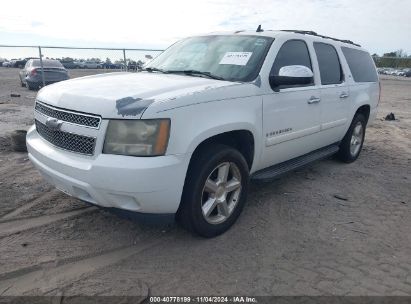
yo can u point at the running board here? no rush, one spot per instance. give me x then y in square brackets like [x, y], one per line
[292, 164]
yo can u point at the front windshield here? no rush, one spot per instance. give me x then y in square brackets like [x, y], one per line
[234, 58]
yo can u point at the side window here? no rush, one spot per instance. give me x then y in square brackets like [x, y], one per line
[292, 52]
[329, 64]
[28, 63]
[361, 65]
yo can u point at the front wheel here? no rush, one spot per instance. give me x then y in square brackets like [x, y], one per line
[215, 191]
[351, 145]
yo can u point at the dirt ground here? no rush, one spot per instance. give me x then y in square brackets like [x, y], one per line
[295, 237]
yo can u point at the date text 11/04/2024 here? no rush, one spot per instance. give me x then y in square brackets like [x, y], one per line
[203, 299]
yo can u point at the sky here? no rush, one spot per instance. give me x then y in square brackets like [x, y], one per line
[378, 25]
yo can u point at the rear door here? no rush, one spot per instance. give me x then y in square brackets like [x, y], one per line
[335, 94]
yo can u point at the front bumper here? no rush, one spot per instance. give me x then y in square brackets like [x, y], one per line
[140, 184]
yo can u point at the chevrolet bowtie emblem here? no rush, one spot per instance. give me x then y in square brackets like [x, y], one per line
[53, 123]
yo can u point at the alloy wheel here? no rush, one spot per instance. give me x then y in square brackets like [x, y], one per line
[356, 139]
[221, 193]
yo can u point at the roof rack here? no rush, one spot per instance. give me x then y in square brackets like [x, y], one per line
[321, 36]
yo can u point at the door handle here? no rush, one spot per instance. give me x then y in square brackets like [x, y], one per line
[313, 100]
[344, 95]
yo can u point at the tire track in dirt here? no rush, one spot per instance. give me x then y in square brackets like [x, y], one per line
[30, 204]
[47, 280]
[15, 226]
[26, 168]
[57, 263]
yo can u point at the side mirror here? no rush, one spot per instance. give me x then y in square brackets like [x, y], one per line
[291, 75]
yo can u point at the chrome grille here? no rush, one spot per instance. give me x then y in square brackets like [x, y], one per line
[87, 120]
[67, 141]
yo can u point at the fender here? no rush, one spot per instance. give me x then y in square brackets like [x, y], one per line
[199, 122]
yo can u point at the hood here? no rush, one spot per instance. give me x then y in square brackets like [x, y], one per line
[124, 95]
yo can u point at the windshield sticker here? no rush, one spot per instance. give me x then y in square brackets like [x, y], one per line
[236, 58]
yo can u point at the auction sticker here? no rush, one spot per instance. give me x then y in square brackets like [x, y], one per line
[236, 58]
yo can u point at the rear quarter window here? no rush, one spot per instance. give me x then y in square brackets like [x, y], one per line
[361, 65]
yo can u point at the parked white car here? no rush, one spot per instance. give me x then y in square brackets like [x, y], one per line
[183, 137]
[90, 65]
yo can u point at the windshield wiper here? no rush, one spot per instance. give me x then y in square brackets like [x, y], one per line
[154, 70]
[195, 72]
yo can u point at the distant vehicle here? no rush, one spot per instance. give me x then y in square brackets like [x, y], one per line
[133, 65]
[6, 64]
[400, 73]
[396, 72]
[391, 71]
[383, 71]
[31, 75]
[110, 65]
[91, 65]
[11, 63]
[70, 64]
[20, 63]
[407, 72]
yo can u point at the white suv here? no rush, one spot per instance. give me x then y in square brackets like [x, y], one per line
[183, 137]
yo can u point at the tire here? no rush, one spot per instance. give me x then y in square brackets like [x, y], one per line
[18, 141]
[351, 145]
[209, 165]
[32, 86]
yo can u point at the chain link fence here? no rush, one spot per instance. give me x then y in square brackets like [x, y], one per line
[80, 61]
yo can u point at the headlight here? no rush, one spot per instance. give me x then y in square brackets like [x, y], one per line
[137, 137]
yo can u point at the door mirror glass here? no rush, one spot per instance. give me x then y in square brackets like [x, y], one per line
[296, 71]
[292, 75]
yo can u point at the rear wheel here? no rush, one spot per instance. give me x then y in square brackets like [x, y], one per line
[215, 191]
[351, 145]
[32, 86]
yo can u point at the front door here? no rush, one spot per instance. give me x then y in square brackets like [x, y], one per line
[291, 116]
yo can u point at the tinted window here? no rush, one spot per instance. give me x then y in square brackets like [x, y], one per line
[47, 63]
[361, 65]
[293, 52]
[329, 64]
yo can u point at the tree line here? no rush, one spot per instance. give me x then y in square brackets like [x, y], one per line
[396, 59]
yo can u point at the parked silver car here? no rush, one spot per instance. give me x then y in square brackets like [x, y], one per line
[31, 75]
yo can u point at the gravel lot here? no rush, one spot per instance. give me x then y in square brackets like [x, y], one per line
[295, 237]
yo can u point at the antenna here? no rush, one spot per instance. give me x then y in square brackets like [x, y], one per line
[259, 29]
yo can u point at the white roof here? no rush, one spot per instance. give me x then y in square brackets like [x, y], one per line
[287, 35]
